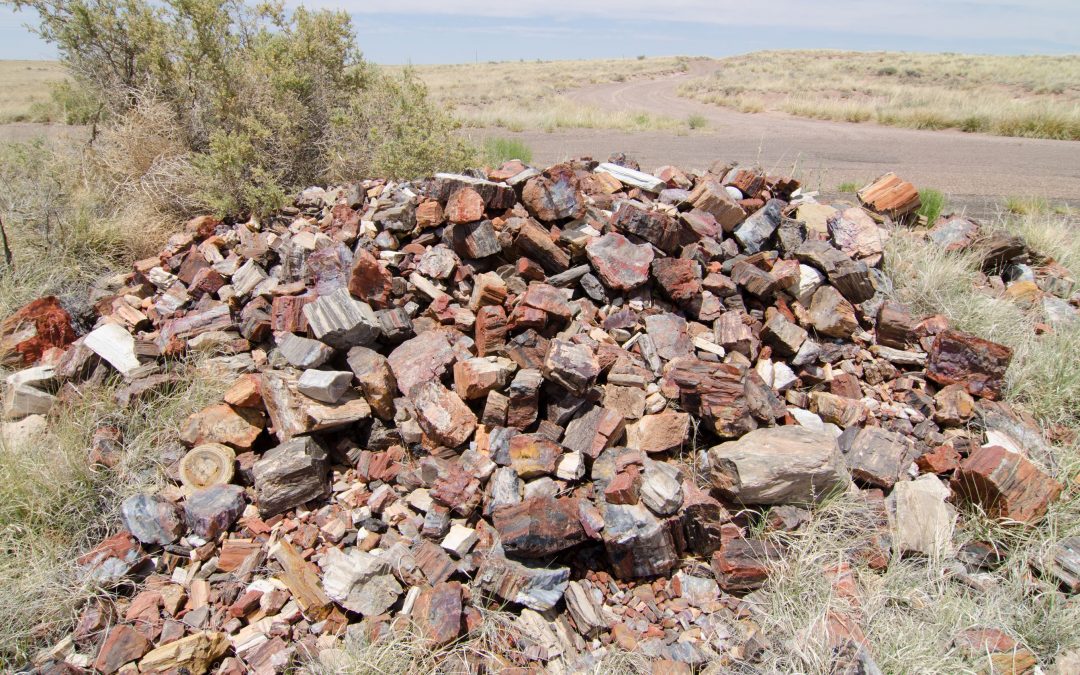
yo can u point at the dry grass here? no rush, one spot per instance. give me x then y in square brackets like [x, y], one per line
[26, 89]
[1030, 96]
[520, 95]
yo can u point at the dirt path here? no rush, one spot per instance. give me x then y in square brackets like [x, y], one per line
[971, 168]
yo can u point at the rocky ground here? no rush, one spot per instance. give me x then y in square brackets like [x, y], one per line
[586, 396]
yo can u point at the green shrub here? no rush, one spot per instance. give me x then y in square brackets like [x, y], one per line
[499, 150]
[697, 122]
[261, 100]
[849, 187]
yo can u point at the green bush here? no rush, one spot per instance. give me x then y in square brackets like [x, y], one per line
[697, 121]
[260, 100]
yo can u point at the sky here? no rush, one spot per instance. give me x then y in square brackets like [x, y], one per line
[456, 31]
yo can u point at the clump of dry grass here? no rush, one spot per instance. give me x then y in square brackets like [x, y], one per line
[54, 505]
[1029, 96]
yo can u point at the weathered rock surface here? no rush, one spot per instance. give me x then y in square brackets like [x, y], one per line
[781, 465]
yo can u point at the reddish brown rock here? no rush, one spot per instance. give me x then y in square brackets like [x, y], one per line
[659, 433]
[464, 206]
[224, 424]
[437, 613]
[540, 526]
[123, 645]
[572, 365]
[532, 456]
[962, 358]
[942, 459]
[375, 379]
[620, 264]
[370, 281]
[593, 431]
[553, 198]
[490, 329]
[442, 414]
[831, 314]
[34, 328]
[536, 243]
[655, 227]
[716, 392]
[287, 313]
[895, 326]
[742, 564]
[424, 358]
[1005, 484]
[625, 487]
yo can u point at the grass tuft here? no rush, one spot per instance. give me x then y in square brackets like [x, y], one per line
[932, 202]
[848, 187]
[697, 122]
[499, 150]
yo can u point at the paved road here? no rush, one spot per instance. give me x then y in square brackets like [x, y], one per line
[973, 169]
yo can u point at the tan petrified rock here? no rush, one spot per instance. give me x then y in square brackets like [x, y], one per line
[780, 465]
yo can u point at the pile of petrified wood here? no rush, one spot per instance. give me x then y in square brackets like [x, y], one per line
[569, 394]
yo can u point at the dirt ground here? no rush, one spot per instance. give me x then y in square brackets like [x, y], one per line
[975, 170]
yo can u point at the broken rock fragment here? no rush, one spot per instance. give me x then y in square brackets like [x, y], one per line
[152, 519]
[1005, 484]
[535, 586]
[962, 358]
[442, 414]
[358, 581]
[540, 526]
[341, 320]
[571, 364]
[213, 510]
[289, 475]
[620, 264]
[780, 465]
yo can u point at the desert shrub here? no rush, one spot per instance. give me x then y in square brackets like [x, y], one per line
[257, 100]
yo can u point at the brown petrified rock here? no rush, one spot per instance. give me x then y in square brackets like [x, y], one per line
[1005, 484]
[962, 358]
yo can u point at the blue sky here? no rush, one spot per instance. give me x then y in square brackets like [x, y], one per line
[453, 31]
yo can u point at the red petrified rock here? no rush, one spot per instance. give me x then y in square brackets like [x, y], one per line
[741, 564]
[679, 277]
[437, 612]
[123, 645]
[939, 460]
[1005, 484]
[540, 526]
[442, 414]
[621, 264]
[34, 328]
[223, 424]
[464, 206]
[370, 281]
[963, 358]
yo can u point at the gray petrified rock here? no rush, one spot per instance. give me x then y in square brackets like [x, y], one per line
[213, 510]
[779, 465]
[358, 581]
[289, 475]
[152, 519]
